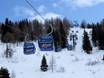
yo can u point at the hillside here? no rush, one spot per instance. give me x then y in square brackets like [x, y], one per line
[68, 64]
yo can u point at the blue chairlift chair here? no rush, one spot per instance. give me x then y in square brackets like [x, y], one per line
[46, 43]
[29, 48]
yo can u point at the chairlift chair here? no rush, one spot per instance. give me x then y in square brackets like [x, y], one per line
[45, 42]
[29, 47]
[69, 46]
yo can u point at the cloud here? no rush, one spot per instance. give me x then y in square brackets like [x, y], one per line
[42, 9]
[87, 3]
[20, 10]
[27, 12]
[48, 15]
[23, 11]
[77, 3]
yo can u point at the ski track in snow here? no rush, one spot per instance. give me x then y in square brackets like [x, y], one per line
[76, 63]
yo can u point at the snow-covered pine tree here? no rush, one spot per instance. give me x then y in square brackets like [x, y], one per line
[86, 43]
[4, 73]
[94, 40]
[44, 66]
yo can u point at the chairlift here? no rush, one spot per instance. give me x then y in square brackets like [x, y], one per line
[69, 47]
[58, 48]
[71, 37]
[29, 47]
[45, 43]
[76, 37]
[76, 31]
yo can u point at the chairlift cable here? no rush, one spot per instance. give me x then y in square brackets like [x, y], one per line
[34, 9]
[39, 15]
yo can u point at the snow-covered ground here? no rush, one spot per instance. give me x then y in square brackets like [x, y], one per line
[68, 64]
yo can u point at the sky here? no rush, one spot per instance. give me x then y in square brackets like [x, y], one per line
[74, 10]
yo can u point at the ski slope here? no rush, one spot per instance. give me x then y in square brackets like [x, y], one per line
[67, 64]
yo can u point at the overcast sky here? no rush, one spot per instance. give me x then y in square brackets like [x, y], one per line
[89, 10]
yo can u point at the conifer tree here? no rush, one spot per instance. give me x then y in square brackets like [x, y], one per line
[103, 58]
[63, 36]
[44, 66]
[37, 29]
[83, 24]
[4, 73]
[57, 41]
[101, 36]
[86, 43]
[94, 40]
